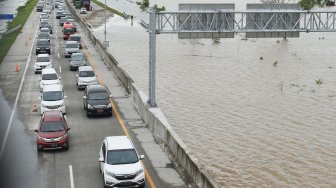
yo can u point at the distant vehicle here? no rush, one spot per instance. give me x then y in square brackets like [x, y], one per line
[52, 131]
[72, 21]
[42, 61]
[96, 100]
[45, 30]
[43, 36]
[67, 32]
[43, 46]
[77, 60]
[39, 7]
[47, 9]
[120, 163]
[76, 38]
[58, 14]
[83, 10]
[62, 20]
[44, 16]
[53, 98]
[49, 77]
[85, 76]
[46, 25]
[70, 48]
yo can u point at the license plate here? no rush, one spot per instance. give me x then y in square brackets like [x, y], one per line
[100, 110]
[126, 183]
[53, 145]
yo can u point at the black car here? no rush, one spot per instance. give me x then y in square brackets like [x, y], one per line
[59, 14]
[96, 100]
[39, 8]
[42, 47]
[43, 36]
[47, 25]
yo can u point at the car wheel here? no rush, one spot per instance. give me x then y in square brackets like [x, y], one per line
[110, 115]
[67, 146]
[39, 148]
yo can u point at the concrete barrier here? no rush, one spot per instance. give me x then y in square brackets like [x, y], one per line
[176, 150]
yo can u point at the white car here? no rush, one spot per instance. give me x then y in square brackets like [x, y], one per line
[53, 98]
[42, 61]
[83, 10]
[70, 48]
[49, 77]
[120, 164]
[85, 76]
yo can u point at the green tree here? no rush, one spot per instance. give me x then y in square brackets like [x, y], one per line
[309, 4]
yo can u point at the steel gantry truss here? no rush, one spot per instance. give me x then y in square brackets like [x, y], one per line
[224, 23]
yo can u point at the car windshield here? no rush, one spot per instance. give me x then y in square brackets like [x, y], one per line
[49, 77]
[42, 59]
[52, 95]
[72, 45]
[42, 43]
[77, 57]
[126, 156]
[59, 13]
[52, 126]
[98, 96]
[74, 38]
[86, 74]
[68, 30]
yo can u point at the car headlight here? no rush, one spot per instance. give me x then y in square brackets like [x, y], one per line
[139, 172]
[109, 105]
[62, 137]
[62, 104]
[90, 106]
[43, 105]
[38, 48]
[110, 174]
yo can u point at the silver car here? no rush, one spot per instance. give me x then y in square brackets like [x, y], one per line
[70, 48]
[77, 60]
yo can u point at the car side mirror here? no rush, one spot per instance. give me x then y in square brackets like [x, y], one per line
[100, 159]
[59, 78]
[63, 46]
[36, 130]
[40, 79]
[65, 97]
[97, 74]
[84, 97]
[69, 59]
[67, 129]
[142, 157]
[76, 75]
[110, 96]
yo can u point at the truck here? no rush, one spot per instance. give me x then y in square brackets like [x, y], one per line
[82, 3]
[77, 3]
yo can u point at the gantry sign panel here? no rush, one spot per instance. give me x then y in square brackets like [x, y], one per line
[199, 24]
[272, 20]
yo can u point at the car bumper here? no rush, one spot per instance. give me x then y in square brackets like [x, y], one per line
[104, 111]
[136, 182]
[39, 68]
[41, 144]
[83, 85]
[61, 108]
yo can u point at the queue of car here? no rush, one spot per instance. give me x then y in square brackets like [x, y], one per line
[119, 162]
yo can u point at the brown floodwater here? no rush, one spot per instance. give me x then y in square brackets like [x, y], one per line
[250, 121]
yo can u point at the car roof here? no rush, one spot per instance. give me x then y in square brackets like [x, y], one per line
[43, 55]
[77, 54]
[75, 36]
[118, 142]
[71, 42]
[95, 87]
[52, 87]
[85, 68]
[53, 116]
[48, 71]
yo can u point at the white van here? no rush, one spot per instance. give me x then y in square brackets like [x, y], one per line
[85, 76]
[53, 99]
[120, 163]
[49, 77]
[42, 61]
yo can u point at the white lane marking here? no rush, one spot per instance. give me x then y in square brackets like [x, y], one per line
[58, 55]
[60, 69]
[17, 99]
[72, 185]
[57, 44]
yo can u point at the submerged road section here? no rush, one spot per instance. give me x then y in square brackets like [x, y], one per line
[22, 165]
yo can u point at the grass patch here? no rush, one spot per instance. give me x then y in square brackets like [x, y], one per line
[110, 9]
[23, 13]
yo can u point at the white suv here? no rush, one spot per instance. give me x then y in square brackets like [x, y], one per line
[49, 77]
[42, 61]
[53, 99]
[120, 164]
[85, 76]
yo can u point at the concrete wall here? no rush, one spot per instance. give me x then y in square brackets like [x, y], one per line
[176, 150]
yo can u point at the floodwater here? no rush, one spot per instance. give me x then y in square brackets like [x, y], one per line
[9, 7]
[255, 113]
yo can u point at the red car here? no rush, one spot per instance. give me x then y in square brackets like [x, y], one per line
[68, 29]
[53, 131]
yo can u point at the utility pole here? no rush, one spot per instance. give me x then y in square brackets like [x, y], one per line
[105, 26]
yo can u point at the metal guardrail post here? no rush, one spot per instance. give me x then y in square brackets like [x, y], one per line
[152, 57]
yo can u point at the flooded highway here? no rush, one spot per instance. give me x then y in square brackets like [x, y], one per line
[255, 112]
